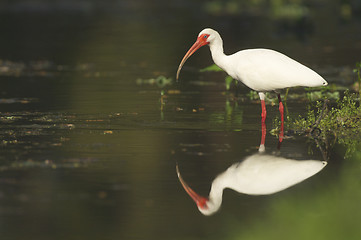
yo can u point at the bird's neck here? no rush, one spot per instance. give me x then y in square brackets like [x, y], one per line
[218, 55]
[215, 195]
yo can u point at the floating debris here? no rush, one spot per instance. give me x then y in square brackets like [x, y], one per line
[47, 163]
[17, 100]
[40, 68]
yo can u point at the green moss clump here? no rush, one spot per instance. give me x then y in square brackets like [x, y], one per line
[342, 123]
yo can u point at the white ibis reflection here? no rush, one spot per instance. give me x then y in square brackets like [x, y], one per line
[258, 174]
[262, 70]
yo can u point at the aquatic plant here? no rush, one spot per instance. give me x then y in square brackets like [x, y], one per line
[160, 81]
[341, 124]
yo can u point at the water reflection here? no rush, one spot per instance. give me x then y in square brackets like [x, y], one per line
[258, 174]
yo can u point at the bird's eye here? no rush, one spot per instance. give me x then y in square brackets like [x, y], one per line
[205, 36]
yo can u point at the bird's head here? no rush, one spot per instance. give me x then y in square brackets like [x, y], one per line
[209, 35]
[205, 37]
[205, 206]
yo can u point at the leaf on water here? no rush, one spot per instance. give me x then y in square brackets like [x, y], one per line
[229, 81]
[212, 68]
[160, 81]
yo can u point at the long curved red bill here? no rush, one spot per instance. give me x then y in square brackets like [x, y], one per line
[201, 41]
[199, 200]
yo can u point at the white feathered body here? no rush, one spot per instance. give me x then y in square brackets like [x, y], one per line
[267, 70]
[267, 174]
[260, 174]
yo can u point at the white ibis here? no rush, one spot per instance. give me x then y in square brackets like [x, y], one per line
[262, 70]
[258, 174]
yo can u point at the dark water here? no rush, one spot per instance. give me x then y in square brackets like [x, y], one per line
[90, 141]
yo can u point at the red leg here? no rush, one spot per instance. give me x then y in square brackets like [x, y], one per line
[264, 112]
[264, 132]
[263, 138]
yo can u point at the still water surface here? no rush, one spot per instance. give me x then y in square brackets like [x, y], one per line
[90, 145]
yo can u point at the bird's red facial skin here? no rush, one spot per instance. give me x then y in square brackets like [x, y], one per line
[203, 39]
[202, 203]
